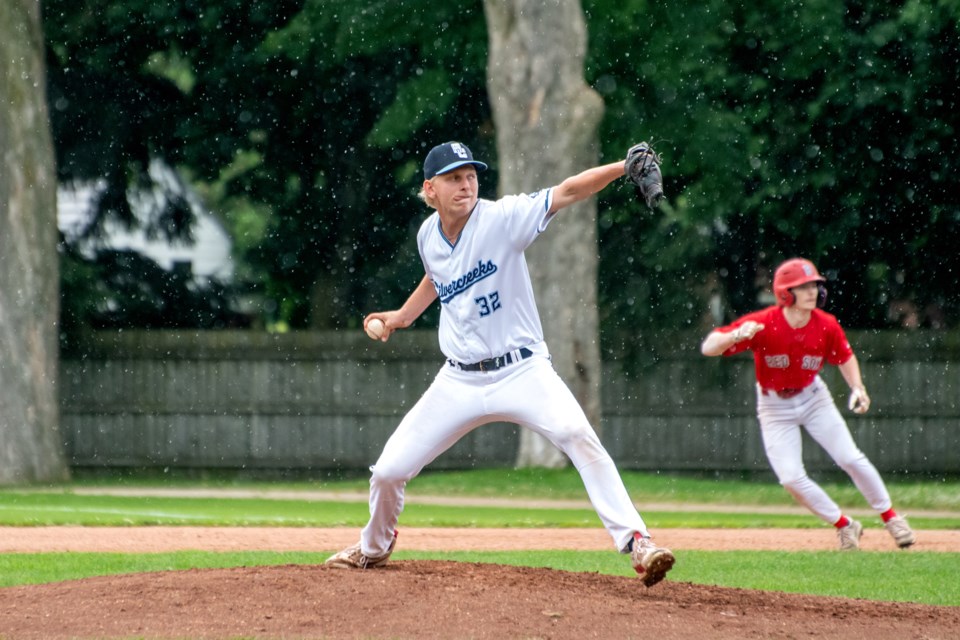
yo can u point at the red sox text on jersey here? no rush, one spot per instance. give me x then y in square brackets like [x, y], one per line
[787, 357]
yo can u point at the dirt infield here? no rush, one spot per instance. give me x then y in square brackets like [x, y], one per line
[433, 599]
[160, 539]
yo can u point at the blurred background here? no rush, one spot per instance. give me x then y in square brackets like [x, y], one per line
[283, 142]
[252, 166]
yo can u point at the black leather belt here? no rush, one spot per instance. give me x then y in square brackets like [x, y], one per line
[492, 364]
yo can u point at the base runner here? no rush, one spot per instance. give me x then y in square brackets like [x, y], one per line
[791, 342]
[498, 366]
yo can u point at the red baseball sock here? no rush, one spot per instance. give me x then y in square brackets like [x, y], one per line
[842, 522]
[888, 515]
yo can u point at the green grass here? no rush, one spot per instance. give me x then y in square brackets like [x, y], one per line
[718, 489]
[46, 509]
[910, 492]
[25, 508]
[914, 576]
[40, 568]
[722, 502]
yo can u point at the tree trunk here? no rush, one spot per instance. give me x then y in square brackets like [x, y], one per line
[546, 120]
[30, 446]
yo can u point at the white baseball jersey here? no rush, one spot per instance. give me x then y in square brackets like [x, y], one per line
[482, 281]
[488, 310]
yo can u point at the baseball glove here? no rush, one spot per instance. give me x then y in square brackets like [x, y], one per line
[642, 167]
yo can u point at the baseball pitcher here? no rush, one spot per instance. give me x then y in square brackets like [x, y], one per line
[498, 365]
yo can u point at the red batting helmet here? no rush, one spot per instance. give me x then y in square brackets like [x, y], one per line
[794, 273]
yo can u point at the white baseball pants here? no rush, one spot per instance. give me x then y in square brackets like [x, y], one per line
[814, 410]
[528, 393]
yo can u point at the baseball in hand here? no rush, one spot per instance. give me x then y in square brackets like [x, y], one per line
[375, 329]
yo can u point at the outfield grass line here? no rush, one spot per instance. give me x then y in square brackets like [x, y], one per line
[172, 515]
[459, 501]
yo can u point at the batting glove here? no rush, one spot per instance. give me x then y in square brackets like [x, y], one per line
[859, 400]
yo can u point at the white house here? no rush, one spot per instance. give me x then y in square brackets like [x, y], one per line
[208, 256]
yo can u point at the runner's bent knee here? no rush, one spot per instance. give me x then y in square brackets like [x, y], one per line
[386, 474]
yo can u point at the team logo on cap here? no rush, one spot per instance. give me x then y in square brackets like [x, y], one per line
[458, 149]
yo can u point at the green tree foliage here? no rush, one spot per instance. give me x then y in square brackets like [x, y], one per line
[823, 129]
[124, 91]
[365, 90]
[307, 121]
[815, 128]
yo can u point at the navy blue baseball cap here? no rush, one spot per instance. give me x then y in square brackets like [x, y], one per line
[447, 157]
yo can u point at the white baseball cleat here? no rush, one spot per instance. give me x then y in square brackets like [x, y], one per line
[901, 531]
[353, 558]
[850, 535]
[650, 561]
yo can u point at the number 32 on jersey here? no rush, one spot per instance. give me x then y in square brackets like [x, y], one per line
[488, 303]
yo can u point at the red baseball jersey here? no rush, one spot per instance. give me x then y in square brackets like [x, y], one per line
[788, 358]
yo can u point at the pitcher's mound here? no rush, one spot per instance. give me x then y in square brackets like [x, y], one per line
[436, 599]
